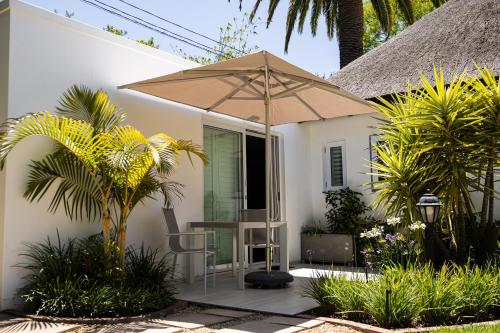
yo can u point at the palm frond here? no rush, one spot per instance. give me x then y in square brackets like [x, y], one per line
[385, 13]
[75, 187]
[406, 7]
[82, 103]
[75, 135]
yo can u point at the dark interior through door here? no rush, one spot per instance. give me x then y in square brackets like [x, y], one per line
[256, 180]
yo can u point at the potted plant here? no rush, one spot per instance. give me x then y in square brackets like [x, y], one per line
[334, 241]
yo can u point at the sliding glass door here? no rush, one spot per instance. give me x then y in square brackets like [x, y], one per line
[234, 178]
[223, 186]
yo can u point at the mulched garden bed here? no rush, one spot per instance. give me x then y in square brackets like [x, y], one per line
[174, 308]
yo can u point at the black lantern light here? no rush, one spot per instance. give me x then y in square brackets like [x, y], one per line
[429, 206]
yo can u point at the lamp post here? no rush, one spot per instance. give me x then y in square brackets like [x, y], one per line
[429, 207]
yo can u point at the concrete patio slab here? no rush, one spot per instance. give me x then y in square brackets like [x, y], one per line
[291, 321]
[227, 313]
[259, 326]
[192, 320]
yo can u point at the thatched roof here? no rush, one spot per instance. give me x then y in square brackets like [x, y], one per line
[453, 36]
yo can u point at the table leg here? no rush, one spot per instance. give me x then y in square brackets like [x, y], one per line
[235, 251]
[241, 256]
[190, 260]
[283, 238]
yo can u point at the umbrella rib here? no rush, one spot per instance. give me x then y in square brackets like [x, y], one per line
[324, 86]
[291, 91]
[139, 84]
[231, 93]
[251, 85]
[308, 107]
[236, 86]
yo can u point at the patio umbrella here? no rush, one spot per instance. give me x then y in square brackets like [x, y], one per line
[261, 88]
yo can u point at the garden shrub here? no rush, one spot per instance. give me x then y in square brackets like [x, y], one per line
[418, 295]
[73, 279]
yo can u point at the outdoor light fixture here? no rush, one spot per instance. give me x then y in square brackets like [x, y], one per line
[429, 206]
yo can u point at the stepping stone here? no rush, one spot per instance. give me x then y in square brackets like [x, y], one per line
[227, 313]
[260, 326]
[163, 330]
[292, 321]
[192, 320]
[40, 327]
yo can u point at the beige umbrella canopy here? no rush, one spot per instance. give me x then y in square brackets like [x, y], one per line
[261, 88]
[236, 87]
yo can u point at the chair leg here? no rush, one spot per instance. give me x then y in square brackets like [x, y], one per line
[250, 250]
[205, 271]
[174, 265]
[214, 268]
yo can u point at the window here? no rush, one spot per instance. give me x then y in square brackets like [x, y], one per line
[374, 141]
[334, 165]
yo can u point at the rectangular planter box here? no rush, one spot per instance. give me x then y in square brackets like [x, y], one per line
[327, 248]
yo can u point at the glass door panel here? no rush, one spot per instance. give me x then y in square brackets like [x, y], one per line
[222, 184]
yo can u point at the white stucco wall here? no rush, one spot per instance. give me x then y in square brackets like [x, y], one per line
[49, 53]
[355, 131]
[4, 90]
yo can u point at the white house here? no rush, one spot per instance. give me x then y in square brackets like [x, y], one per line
[42, 54]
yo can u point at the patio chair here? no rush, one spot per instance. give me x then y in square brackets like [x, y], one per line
[176, 247]
[256, 238]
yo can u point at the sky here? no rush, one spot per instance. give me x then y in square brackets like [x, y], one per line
[318, 55]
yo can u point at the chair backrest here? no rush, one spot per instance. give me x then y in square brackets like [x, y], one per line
[173, 228]
[255, 215]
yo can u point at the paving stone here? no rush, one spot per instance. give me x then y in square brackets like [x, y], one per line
[227, 313]
[37, 326]
[192, 320]
[163, 330]
[260, 326]
[292, 321]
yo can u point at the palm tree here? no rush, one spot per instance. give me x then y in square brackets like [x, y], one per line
[99, 166]
[141, 167]
[343, 16]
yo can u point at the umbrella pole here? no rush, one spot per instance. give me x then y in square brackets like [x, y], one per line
[267, 102]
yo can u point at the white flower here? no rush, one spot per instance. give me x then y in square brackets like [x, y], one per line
[372, 233]
[393, 220]
[418, 225]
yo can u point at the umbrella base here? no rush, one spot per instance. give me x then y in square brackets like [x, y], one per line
[271, 280]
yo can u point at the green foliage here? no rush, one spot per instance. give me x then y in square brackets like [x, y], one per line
[72, 279]
[487, 328]
[345, 211]
[375, 34]
[418, 295]
[100, 168]
[150, 42]
[120, 32]
[443, 137]
[234, 41]
[314, 228]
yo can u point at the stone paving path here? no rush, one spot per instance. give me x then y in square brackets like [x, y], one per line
[192, 319]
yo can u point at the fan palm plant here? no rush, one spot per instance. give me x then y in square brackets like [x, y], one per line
[343, 16]
[99, 165]
[82, 180]
[141, 167]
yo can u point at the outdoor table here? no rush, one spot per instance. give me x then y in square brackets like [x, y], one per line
[239, 245]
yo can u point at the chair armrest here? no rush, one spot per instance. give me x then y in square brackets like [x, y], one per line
[185, 234]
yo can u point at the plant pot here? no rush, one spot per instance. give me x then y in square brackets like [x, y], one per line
[327, 248]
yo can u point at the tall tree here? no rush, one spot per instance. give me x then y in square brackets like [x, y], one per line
[120, 32]
[345, 17]
[234, 41]
[374, 34]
